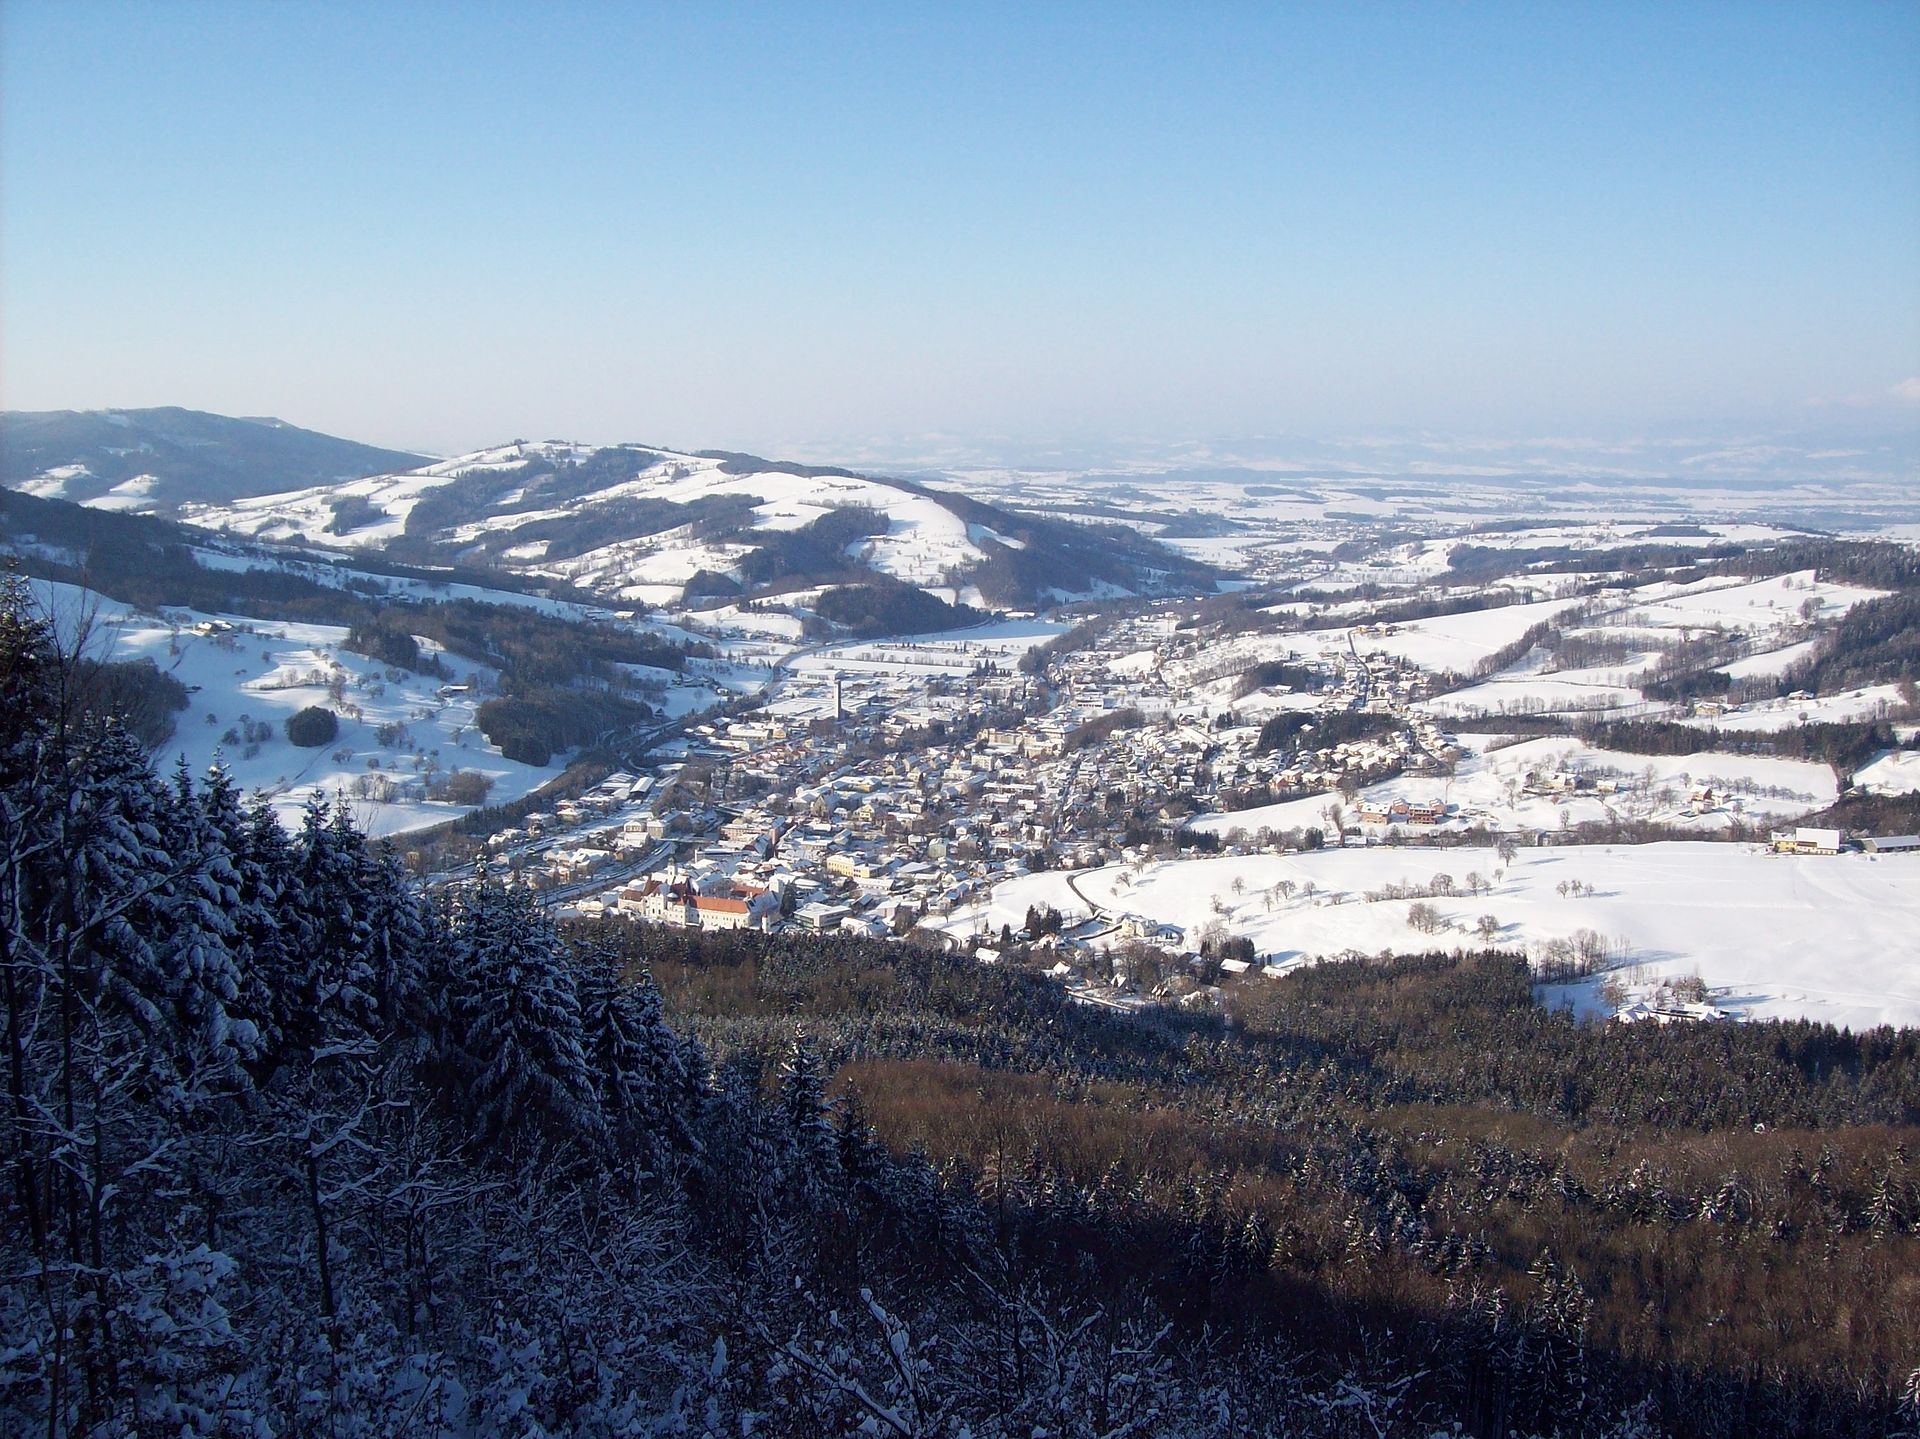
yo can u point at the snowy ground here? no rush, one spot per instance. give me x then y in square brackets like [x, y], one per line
[1827, 938]
[1895, 772]
[1745, 605]
[1527, 694]
[1491, 788]
[1291, 512]
[1769, 617]
[1446, 642]
[264, 672]
[1771, 664]
[888, 669]
[953, 652]
[1875, 702]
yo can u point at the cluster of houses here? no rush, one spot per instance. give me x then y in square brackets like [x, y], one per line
[909, 796]
[1400, 811]
[921, 794]
[1806, 839]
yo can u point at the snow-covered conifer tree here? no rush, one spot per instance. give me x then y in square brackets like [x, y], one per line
[811, 1152]
[517, 1017]
[640, 1067]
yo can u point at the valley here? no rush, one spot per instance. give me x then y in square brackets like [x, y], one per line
[1362, 717]
[959, 722]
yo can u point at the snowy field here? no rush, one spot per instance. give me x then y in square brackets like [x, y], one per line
[325, 570]
[1765, 614]
[1535, 693]
[1446, 642]
[1744, 605]
[264, 671]
[1769, 617]
[953, 652]
[887, 670]
[1874, 702]
[1512, 788]
[1895, 772]
[1829, 938]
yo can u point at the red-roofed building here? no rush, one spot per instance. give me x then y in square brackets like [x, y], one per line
[679, 904]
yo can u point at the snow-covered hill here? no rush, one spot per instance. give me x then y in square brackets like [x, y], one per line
[401, 734]
[157, 459]
[644, 525]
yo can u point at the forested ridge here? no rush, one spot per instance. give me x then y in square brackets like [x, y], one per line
[288, 1147]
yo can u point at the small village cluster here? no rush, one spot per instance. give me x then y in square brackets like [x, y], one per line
[878, 801]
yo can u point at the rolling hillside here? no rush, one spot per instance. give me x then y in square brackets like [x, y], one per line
[650, 526]
[158, 459]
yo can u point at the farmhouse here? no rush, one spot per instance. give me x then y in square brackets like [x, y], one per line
[1891, 844]
[1809, 840]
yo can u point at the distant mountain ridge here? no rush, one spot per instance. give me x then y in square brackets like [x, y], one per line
[634, 524]
[639, 524]
[160, 459]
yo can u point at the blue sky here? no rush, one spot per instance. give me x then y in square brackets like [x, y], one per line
[818, 226]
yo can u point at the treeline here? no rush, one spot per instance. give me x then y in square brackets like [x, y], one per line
[1036, 660]
[709, 518]
[146, 563]
[1871, 564]
[388, 640]
[1038, 556]
[1246, 613]
[564, 683]
[1844, 746]
[1271, 673]
[888, 607]
[1688, 685]
[1322, 729]
[459, 500]
[149, 562]
[1104, 727]
[536, 723]
[138, 692]
[1514, 650]
[533, 649]
[541, 485]
[1480, 564]
[817, 549]
[1876, 642]
[1872, 814]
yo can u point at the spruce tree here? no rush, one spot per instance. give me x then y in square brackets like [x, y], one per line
[810, 1150]
[646, 1086]
[517, 1016]
[331, 981]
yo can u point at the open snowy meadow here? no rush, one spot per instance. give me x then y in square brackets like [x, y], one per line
[245, 678]
[1832, 938]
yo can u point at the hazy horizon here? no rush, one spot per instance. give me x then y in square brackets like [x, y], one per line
[880, 235]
